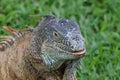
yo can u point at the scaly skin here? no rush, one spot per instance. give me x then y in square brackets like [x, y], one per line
[51, 51]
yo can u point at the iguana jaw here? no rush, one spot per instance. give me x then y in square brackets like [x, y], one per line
[66, 49]
[53, 54]
[70, 50]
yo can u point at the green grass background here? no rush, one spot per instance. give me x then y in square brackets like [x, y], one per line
[99, 21]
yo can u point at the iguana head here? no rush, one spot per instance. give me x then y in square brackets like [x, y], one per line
[61, 39]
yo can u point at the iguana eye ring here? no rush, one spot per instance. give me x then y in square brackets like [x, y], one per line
[55, 34]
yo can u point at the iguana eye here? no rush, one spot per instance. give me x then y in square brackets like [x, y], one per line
[55, 34]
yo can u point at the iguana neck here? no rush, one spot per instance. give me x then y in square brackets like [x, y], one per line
[34, 65]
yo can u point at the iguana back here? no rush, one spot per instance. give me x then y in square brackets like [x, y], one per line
[12, 53]
[50, 51]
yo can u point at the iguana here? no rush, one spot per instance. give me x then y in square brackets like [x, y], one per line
[51, 51]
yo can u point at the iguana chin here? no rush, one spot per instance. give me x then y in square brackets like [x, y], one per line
[51, 51]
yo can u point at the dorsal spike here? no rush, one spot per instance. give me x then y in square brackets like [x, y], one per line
[22, 32]
[4, 42]
[3, 45]
[17, 33]
[7, 41]
[10, 30]
[6, 37]
[2, 48]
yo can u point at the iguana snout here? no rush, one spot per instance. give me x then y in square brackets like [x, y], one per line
[76, 43]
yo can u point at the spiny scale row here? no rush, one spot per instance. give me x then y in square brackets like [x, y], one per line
[8, 41]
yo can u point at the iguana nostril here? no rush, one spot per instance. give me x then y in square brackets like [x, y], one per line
[76, 38]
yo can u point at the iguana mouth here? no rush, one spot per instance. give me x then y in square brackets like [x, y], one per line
[66, 49]
[79, 52]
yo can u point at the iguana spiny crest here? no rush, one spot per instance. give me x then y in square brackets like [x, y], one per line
[8, 41]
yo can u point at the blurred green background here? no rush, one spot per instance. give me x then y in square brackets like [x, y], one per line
[99, 21]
